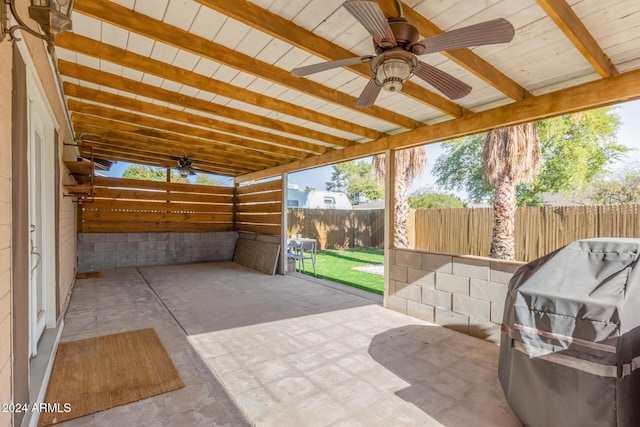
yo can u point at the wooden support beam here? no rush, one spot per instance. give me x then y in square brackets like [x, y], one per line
[125, 102]
[101, 78]
[616, 89]
[218, 140]
[463, 57]
[134, 61]
[567, 20]
[173, 36]
[285, 30]
[389, 217]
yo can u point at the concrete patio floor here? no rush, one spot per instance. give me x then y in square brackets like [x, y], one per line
[281, 351]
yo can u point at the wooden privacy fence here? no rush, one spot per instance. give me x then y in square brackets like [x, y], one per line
[129, 206]
[259, 208]
[539, 230]
[335, 228]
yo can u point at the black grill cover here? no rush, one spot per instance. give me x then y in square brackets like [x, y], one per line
[570, 344]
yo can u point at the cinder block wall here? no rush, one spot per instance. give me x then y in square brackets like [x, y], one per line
[104, 251]
[464, 293]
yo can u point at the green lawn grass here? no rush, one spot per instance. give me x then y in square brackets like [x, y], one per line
[337, 265]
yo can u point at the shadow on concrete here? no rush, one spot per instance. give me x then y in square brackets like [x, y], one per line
[451, 377]
[216, 296]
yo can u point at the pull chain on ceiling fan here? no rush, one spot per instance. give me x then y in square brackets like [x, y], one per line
[397, 46]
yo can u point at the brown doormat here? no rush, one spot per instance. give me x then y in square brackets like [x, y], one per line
[99, 373]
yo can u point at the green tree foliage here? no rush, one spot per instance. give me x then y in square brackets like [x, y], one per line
[429, 199]
[576, 149]
[623, 187]
[204, 179]
[355, 177]
[148, 173]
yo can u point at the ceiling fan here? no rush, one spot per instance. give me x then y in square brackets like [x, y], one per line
[397, 46]
[185, 166]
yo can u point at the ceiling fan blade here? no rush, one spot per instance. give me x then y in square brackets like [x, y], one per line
[444, 82]
[369, 94]
[369, 14]
[324, 66]
[490, 32]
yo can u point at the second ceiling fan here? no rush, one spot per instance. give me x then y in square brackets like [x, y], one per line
[397, 46]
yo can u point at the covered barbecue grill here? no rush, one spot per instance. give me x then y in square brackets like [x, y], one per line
[570, 346]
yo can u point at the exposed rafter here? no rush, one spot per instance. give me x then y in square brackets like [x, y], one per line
[620, 88]
[276, 26]
[463, 57]
[567, 20]
[141, 89]
[157, 30]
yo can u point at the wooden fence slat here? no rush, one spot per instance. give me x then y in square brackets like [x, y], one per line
[261, 187]
[143, 227]
[101, 181]
[111, 205]
[270, 230]
[111, 193]
[272, 196]
[111, 216]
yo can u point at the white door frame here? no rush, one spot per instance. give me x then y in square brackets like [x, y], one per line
[41, 119]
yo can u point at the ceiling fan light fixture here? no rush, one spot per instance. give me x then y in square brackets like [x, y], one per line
[184, 172]
[392, 69]
[391, 74]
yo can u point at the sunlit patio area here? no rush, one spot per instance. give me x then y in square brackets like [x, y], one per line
[287, 351]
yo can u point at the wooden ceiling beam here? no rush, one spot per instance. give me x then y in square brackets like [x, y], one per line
[463, 57]
[165, 147]
[567, 20]
[131, 60]
[157, 30]
[185, 144]
[101, 147]
[136, 88]
[285, 30]
[619, 88]
[79, 92]
[115, 155]
[150, 124]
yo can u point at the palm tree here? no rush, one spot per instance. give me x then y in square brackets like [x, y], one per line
[409, 164]
[509, 156]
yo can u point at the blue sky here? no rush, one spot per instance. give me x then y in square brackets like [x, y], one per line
[629, 135]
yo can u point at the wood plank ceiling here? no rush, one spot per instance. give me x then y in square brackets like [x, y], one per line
[150, 81]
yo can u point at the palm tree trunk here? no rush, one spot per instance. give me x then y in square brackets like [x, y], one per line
[504, 214]
[401, 209]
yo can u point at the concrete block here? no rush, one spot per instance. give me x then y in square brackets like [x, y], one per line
[502, 272]
[391, 256]
[162, 244]
[145, 246]
[226, 235]
[474, 268]
[106, 246]
[397, 304]
[439, 263]
[145, 262]
[398, 273]
[409, 259]
[449, 319]
[137, 237]
[451, 283]
[86, 247]
[488, 291]
[93, 237]
[157, 237]
[476, 308]
[407, 291]
[484, 330]
[422, 278]
[96, 256]
[392, 287]
[421, 311]
[132, 254]
[125, 246]
[497, 312]
[116, 237]
[125, 263]
[85, 266]
[437, 298]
